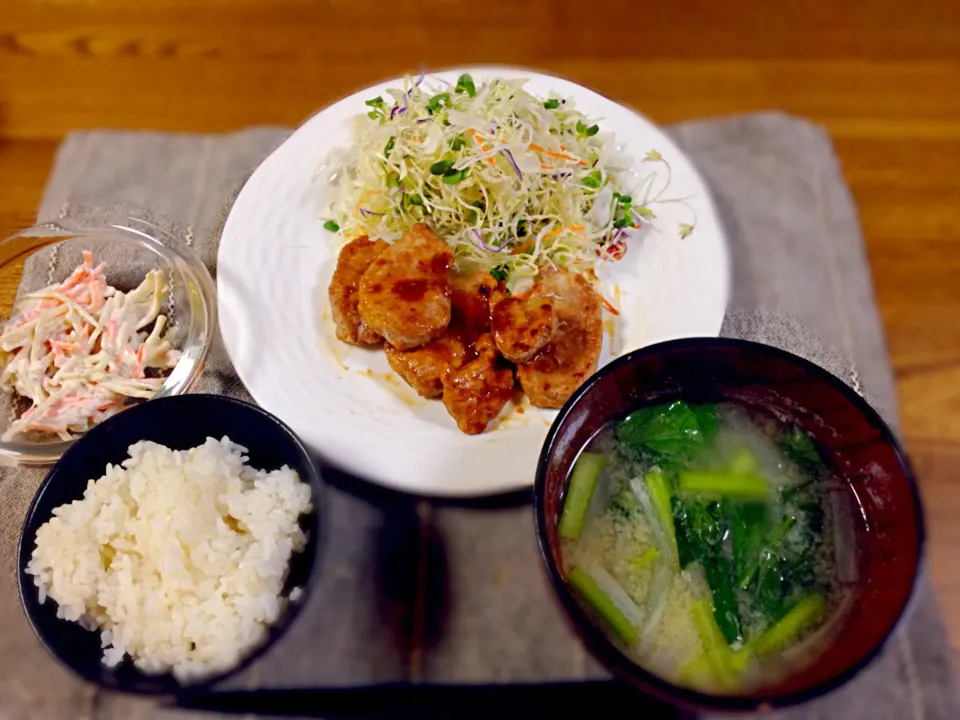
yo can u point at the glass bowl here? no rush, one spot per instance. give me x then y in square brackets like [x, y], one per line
[885, 525]
[40, 256]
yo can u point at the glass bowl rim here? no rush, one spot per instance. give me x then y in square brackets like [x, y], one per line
[151, 237]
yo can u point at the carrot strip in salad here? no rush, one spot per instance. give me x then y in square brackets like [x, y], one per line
[551, 153]
[481, 143]
[607, 304]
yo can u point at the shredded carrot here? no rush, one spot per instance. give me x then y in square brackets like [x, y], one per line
[545, 167]
[607, 304]
[551, 153]
[557, 231]
[526, 246]
[481, 143]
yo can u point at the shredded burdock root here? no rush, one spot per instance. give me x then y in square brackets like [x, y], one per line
[79, 348]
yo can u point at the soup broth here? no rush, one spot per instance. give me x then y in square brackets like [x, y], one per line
[705, 543]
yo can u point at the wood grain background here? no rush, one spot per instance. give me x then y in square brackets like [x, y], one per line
[882, 76]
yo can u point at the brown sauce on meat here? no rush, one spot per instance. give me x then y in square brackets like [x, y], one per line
[411, 290]
[440, 264]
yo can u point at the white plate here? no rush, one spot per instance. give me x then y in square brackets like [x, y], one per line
[275, 261]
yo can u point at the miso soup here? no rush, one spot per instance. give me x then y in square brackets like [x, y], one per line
[705, 543]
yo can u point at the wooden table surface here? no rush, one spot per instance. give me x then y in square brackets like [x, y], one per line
[882, 76]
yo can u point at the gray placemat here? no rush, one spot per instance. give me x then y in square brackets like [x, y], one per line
[421, 592]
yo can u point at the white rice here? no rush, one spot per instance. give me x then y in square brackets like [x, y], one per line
[178, 557]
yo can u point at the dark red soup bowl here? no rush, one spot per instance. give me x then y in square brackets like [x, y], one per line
[855, 442]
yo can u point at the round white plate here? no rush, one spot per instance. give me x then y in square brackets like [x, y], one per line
[275, 262]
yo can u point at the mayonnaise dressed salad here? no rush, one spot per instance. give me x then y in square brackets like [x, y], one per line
[513, 182]
[77, 349]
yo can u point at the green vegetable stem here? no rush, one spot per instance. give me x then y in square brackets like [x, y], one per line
[725, 484]
[806, 612]
[658, 487]
[718, 654]
[591, 592]
[583, 482]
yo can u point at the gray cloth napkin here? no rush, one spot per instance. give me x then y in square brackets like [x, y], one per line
[431, 592]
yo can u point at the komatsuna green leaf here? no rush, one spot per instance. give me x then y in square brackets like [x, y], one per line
[672, 431]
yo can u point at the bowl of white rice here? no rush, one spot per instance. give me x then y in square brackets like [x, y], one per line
[171, 545]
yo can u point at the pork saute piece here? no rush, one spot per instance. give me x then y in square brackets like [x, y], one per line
[405, 293]
[352, 263]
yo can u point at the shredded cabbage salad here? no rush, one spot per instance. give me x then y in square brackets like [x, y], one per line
[513, 182]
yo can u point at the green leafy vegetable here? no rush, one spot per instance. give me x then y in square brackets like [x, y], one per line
[458, 143]
[777, 573]
[415, 200]
[389, 146]
[551, 104]
[749, 526]
[465, 85]
[583, 482]
[645, 213]
[331, 226]
[499, 273]
[376, 102]
[799, 449]
[700, 531]
[613, 616]
[393, 180]
[373, 115]
[441, 167]
[671, 433]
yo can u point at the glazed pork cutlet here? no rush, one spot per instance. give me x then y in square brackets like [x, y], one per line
[523, 324]
[424, 367]
[352, 263]
[405, 293]
[476, 393]
[571, 356]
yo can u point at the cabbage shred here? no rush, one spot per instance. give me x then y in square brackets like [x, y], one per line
[514, 183]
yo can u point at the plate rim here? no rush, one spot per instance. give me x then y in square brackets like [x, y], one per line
[433, 490]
